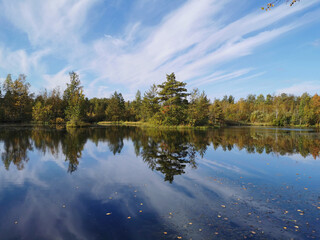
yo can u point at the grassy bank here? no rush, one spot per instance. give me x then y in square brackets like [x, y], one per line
[150, 125]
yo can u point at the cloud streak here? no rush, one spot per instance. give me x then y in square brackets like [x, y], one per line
[193, 41]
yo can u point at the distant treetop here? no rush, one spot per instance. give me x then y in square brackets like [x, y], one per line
[275, 2]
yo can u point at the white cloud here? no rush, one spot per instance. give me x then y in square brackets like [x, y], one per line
[298, 89]
[193, 41]
[316, 43]
[57, 22]
[20, 61]
[59, 79]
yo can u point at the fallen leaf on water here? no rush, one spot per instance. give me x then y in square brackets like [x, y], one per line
[140, 211]
[141, 204]
[15, 222]
[165, 233]
[223, 206]
[305, 188]
[109, 213]
[190, 223]
[179, 237]
[253, 232]
[318, 208]
[296, 227]
[219, 216]
[285, 212]
[64, 206]
[200, 230]
[129, 217]
[285, 228]
[110, 197]
[216, 233]
[170, 213]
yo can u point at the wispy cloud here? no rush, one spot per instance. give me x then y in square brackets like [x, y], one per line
[316, 43]
[193, 41]
[298, 89]
[19, 61]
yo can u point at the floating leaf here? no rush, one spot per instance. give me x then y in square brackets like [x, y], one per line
[109, 213]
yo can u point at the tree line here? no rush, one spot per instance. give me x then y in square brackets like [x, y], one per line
[168, 103]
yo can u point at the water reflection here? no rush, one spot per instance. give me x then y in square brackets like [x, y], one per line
[166, 151]
[215, 186]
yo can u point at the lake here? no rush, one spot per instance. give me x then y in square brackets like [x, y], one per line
[144, 183]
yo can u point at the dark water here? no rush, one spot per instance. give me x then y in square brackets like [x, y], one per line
[132, 183]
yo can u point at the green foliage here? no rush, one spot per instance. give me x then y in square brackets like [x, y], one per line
[166, 104]
[116, 108]
[198, 111]
[216, 115]
[150, 104]
[74, 97]
[17, 100]
[173, 100]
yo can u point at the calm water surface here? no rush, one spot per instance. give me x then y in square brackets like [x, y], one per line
[132, 183]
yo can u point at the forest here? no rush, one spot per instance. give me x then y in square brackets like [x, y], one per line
[168, 104]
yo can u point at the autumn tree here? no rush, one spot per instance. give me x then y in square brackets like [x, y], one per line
[17, 100]
[74, 99]
[198, 111]
[272, 4]
[215, 113]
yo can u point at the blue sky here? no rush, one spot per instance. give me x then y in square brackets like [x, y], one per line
[222, 47]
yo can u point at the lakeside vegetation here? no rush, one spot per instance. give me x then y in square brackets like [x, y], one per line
[167, 104]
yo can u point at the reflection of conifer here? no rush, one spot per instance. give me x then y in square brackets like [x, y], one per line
[168, 152]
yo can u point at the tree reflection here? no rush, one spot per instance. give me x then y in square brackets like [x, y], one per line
[167, 151]
[16, 144]
[72, 147]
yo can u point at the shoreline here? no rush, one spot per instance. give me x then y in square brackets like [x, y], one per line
[150, 125]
